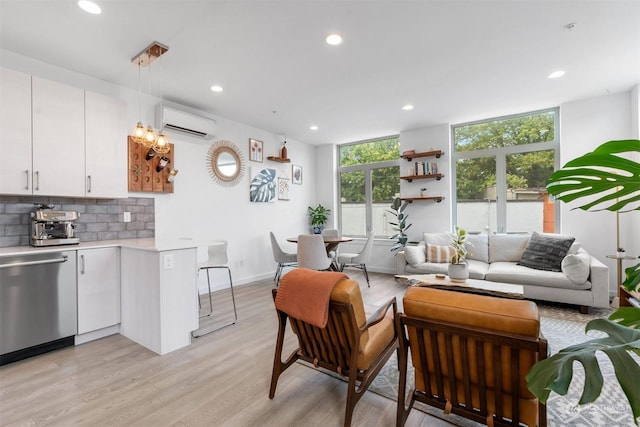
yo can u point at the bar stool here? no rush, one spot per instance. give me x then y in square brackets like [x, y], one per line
[217, 258]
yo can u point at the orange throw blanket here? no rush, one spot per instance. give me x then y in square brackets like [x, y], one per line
[304, 294]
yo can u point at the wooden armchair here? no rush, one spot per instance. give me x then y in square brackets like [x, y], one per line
[471, 354]
[350, 345]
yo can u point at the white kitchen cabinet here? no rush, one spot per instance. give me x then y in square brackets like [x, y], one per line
[98, 288]
[58, 139]
[15, 132]
[105, 146]
[159, 297]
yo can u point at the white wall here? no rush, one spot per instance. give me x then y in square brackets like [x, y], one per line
[585, 125]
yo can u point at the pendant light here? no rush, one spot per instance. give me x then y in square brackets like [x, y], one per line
[161, 143]
[148, 137]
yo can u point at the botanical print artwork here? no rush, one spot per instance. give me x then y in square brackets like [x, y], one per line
[263, 186]
[283, 189]
[296, 174]
[255, 150]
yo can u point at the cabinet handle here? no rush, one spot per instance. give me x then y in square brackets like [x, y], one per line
[81, 264]
[37, 183]
[27, 173]
[88, 183]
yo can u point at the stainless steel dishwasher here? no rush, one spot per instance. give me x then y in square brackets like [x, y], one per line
[38, 304]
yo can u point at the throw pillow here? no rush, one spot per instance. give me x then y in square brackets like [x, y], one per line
[576, 266]
[415, 255]
[546, 251]
[437, 253]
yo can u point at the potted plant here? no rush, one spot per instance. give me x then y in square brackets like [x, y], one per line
[615, 183]
[458, 268]
[319, 217]
[400, 224]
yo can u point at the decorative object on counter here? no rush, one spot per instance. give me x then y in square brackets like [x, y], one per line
[172, 175]
[225, 163]
[423, 191]
[319, 217]
[617, 190]
[148, 137]
[256, 151]
[458, 269]
[397, 210]
[296, 174]
[262, 188]
[144, 175]
[283, 188]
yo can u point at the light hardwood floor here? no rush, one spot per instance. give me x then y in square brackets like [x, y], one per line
[222, 379]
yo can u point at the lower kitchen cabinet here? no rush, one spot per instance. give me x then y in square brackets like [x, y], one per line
[98, 289]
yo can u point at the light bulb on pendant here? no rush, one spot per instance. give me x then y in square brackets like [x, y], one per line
[138, 133]
[162, 145]
[149, 137]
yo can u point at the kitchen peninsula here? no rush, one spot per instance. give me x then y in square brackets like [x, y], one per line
[154, 295]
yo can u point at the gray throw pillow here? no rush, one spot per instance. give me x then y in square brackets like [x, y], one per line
[546, 251]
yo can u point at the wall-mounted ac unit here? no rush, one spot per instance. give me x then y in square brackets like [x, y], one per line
[171, 120]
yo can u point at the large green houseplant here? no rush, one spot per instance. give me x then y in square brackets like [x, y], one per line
[608, 182]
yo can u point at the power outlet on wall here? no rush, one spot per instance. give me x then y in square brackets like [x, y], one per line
[168, 262]
[127, 217]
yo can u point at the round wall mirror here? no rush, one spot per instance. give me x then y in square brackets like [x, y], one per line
[225, 162]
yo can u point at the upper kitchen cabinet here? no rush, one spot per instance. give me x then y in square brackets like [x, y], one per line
[58, 139]
[105, 146]
[15, 132]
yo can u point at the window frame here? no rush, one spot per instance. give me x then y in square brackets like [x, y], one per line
[500, 154]
[368, 189]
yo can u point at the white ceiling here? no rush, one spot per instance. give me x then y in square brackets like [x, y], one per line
[455, 61]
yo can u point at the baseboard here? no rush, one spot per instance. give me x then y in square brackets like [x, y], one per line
[94, 335]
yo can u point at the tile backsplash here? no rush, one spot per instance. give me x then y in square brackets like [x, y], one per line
[99, 219]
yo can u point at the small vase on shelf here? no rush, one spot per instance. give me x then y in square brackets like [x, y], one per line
[283, 150]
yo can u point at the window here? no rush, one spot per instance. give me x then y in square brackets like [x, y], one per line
[369, 179]
[501, 169]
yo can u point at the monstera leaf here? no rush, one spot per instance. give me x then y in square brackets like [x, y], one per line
[556, 372]
[606, 180]
[263, 186]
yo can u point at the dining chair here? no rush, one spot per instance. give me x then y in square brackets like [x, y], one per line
[358, 260]
[217, 258]
[349, 343]
[330, 232]
[312, 252]
[284, 259]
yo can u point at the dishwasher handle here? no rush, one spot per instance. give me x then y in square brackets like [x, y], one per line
[44, 261]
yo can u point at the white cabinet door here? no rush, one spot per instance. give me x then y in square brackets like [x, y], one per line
[98, 288]
[15, 132]
[58, 139]
[105, 146]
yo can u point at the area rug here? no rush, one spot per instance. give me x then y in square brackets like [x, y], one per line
[562, 326]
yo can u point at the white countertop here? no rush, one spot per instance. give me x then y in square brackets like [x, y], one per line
[148, 244]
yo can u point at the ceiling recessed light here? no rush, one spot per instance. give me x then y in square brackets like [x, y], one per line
[407, 107]
[334, 39]
[89, 7]
[216, 88]
[556, 74]
[314, 127]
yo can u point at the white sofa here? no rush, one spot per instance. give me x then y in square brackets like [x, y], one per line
[582, 279]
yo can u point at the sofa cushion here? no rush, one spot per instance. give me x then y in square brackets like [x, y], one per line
[576, 266]
[511, 272]
[478, 247]
[546, 251]
[438, 253]
[507, 247]
[415, 255]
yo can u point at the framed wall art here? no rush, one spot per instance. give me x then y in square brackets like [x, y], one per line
[296, 174]
[256, 151]
[262, 188]
[283, 188]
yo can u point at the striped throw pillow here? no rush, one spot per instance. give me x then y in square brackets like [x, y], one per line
[436, 253]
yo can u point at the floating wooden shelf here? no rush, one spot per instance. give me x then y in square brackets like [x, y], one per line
[436, 199]
[278, 159]
[436, 154]
[436, 176]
